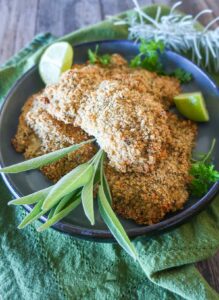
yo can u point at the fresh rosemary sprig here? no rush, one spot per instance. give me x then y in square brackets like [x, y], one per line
[203, 173]
[179, 33]
[94, 57]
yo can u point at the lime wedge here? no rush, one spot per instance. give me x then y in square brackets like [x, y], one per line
[55, 60]
[192, 106]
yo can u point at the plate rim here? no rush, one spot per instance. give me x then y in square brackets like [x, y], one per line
[105, 235]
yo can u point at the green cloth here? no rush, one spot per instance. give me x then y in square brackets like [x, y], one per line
[52, 265]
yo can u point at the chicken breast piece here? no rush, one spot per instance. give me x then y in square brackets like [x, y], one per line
[119, 106]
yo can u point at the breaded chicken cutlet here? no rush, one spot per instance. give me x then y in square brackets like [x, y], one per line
[126, 110]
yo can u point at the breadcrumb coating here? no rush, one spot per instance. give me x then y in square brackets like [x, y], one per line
[122, 107]
[148, 198]
[127, 111]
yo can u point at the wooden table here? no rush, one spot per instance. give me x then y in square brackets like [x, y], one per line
[22, 19]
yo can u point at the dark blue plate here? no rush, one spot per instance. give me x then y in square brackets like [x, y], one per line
[76, 223]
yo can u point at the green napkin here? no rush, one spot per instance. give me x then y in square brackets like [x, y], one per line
[52, 265]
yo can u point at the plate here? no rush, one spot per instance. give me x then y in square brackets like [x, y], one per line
[76, 223]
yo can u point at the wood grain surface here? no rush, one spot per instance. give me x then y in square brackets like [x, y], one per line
[22, 19]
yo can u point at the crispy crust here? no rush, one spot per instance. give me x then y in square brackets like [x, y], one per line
[71, 111]
[147, 199]
[122, 107]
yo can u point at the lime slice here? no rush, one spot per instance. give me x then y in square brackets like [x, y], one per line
[55, 60]
[192, 106]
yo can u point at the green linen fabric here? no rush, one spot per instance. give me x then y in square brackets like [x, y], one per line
[52, 265]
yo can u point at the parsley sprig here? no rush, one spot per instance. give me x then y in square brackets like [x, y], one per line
[203, 173]
[149, 58]
[94, 57]
[181, 75]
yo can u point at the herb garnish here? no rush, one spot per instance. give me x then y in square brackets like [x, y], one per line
[181, 75]
[203, 173]
[149, 58]
[60, 199]
[179, 32]
[110, 218]
[94, 57]
[75, 187]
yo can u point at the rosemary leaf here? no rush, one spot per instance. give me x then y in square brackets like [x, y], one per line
[78, 177]
[180, 33]
[114, 224]
[57, 217]
[32, 198]
[42, 160]
[88, 190]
